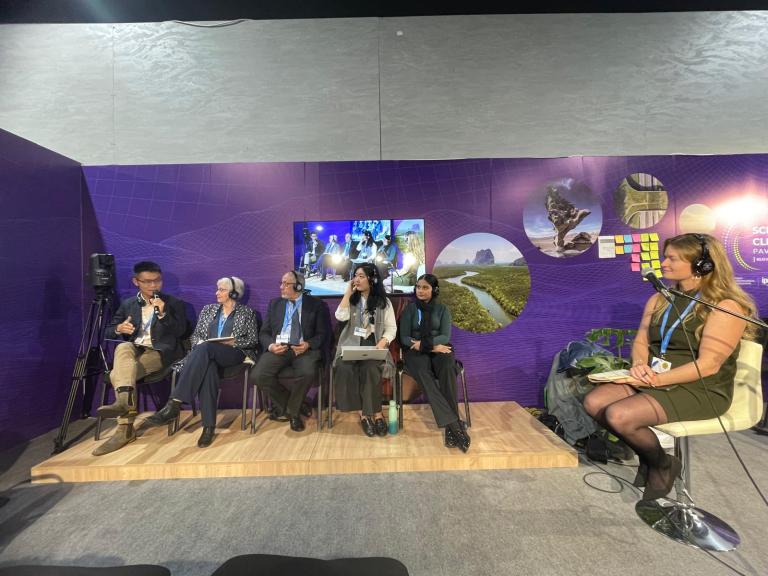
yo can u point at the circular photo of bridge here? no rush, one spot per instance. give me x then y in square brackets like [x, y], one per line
[640, 200]
[484, 280]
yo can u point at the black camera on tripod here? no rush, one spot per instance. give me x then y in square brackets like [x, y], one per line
[102, 272]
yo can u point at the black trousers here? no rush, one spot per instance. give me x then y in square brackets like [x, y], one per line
[436, 374]
[200, 376]
[357, 386]
[265, 375]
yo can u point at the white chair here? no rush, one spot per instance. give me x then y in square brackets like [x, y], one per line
[681, 520]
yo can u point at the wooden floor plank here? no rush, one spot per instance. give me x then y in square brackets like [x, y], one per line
[503, 436]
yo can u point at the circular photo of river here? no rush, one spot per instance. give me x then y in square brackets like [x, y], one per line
[563, 218]
[484, 280]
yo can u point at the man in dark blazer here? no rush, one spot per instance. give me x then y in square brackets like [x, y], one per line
[294, 334]
[152, 323]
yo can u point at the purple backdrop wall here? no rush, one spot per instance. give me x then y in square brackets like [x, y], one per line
[201, 222]
[40, 227]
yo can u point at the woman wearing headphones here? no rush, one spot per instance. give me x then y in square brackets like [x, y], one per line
[425, 333]
[664, 383]
[225, 334]
[370, 321]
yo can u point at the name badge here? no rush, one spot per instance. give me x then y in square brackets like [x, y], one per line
[659, 365]
[283, 338]
[362, 332]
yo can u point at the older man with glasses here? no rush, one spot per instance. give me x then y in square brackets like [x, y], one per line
[152, 323]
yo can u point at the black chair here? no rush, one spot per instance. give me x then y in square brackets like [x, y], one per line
[143, 385]
[271, 565]
[224, 374]
[285, 375]
[134, 570]
[401, 371]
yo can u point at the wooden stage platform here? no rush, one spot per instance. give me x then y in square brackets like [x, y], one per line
[503, 436]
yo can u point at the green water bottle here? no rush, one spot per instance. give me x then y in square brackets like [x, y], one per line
[392, 417]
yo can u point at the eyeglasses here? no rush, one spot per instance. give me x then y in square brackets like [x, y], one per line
[287, 283]
[148, 282]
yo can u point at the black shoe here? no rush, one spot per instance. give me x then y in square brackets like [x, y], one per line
[381, 427]
[449, 440]
[297, 424]
[277, 415]
[305, 410]
[368, 426]
[206, 437]
[459, 431]
[166, 414]
[641, 476]
[669, 474]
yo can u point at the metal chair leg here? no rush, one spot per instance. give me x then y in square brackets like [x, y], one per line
[244, 409]
[683, 522]
[99, 419]
[466, 398]
[330, 398]
[399, 398]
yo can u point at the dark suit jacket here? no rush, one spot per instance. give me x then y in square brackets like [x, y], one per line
[166, 332]
[315, 321]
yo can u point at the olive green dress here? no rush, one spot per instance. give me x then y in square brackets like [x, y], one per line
[689, 401]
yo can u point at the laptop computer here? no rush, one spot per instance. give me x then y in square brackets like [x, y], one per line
[363, 353]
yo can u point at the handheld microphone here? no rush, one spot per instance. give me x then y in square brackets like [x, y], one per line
[657, 284]
[155, 294]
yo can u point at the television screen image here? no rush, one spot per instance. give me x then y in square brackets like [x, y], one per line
[327, 251]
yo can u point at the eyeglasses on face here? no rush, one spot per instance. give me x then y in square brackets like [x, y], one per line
[150, 281]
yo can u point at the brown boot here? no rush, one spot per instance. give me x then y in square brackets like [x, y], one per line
[124, 404]
[124, 434]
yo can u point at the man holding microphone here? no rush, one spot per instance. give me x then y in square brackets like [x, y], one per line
[152, 324]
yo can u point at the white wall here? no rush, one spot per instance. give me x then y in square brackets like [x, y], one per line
[395, 88]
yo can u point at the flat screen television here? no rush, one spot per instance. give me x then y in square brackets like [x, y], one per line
[326, 252]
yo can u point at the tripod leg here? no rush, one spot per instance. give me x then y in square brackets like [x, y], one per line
[94, 328]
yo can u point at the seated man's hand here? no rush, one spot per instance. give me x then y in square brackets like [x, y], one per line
[442, 349]
[300, 348]
[125, 327]
[278, 348]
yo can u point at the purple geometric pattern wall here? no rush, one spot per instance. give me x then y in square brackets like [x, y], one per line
[202, 222]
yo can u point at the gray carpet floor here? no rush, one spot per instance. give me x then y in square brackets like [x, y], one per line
[533, 522]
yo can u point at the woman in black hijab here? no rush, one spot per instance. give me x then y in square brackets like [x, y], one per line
[425, 333]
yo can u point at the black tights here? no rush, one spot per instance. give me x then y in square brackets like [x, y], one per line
[629, 415]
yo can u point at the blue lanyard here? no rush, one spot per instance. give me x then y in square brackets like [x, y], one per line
[222, 321]
[291, 308]
[666, 336]
[145, 327]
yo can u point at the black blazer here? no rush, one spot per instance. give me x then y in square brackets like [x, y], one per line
[315, 321]
[166, 332]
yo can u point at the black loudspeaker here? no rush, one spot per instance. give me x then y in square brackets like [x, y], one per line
[299, 281]
[233, 293]
[703, 265]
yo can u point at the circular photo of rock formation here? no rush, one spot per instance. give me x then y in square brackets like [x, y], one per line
[640, 200]
[484, 280]
[563, 218]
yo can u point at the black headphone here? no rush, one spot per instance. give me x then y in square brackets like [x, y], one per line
[233, 293]
[140, 299]
[297, 286]
[703, 265]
